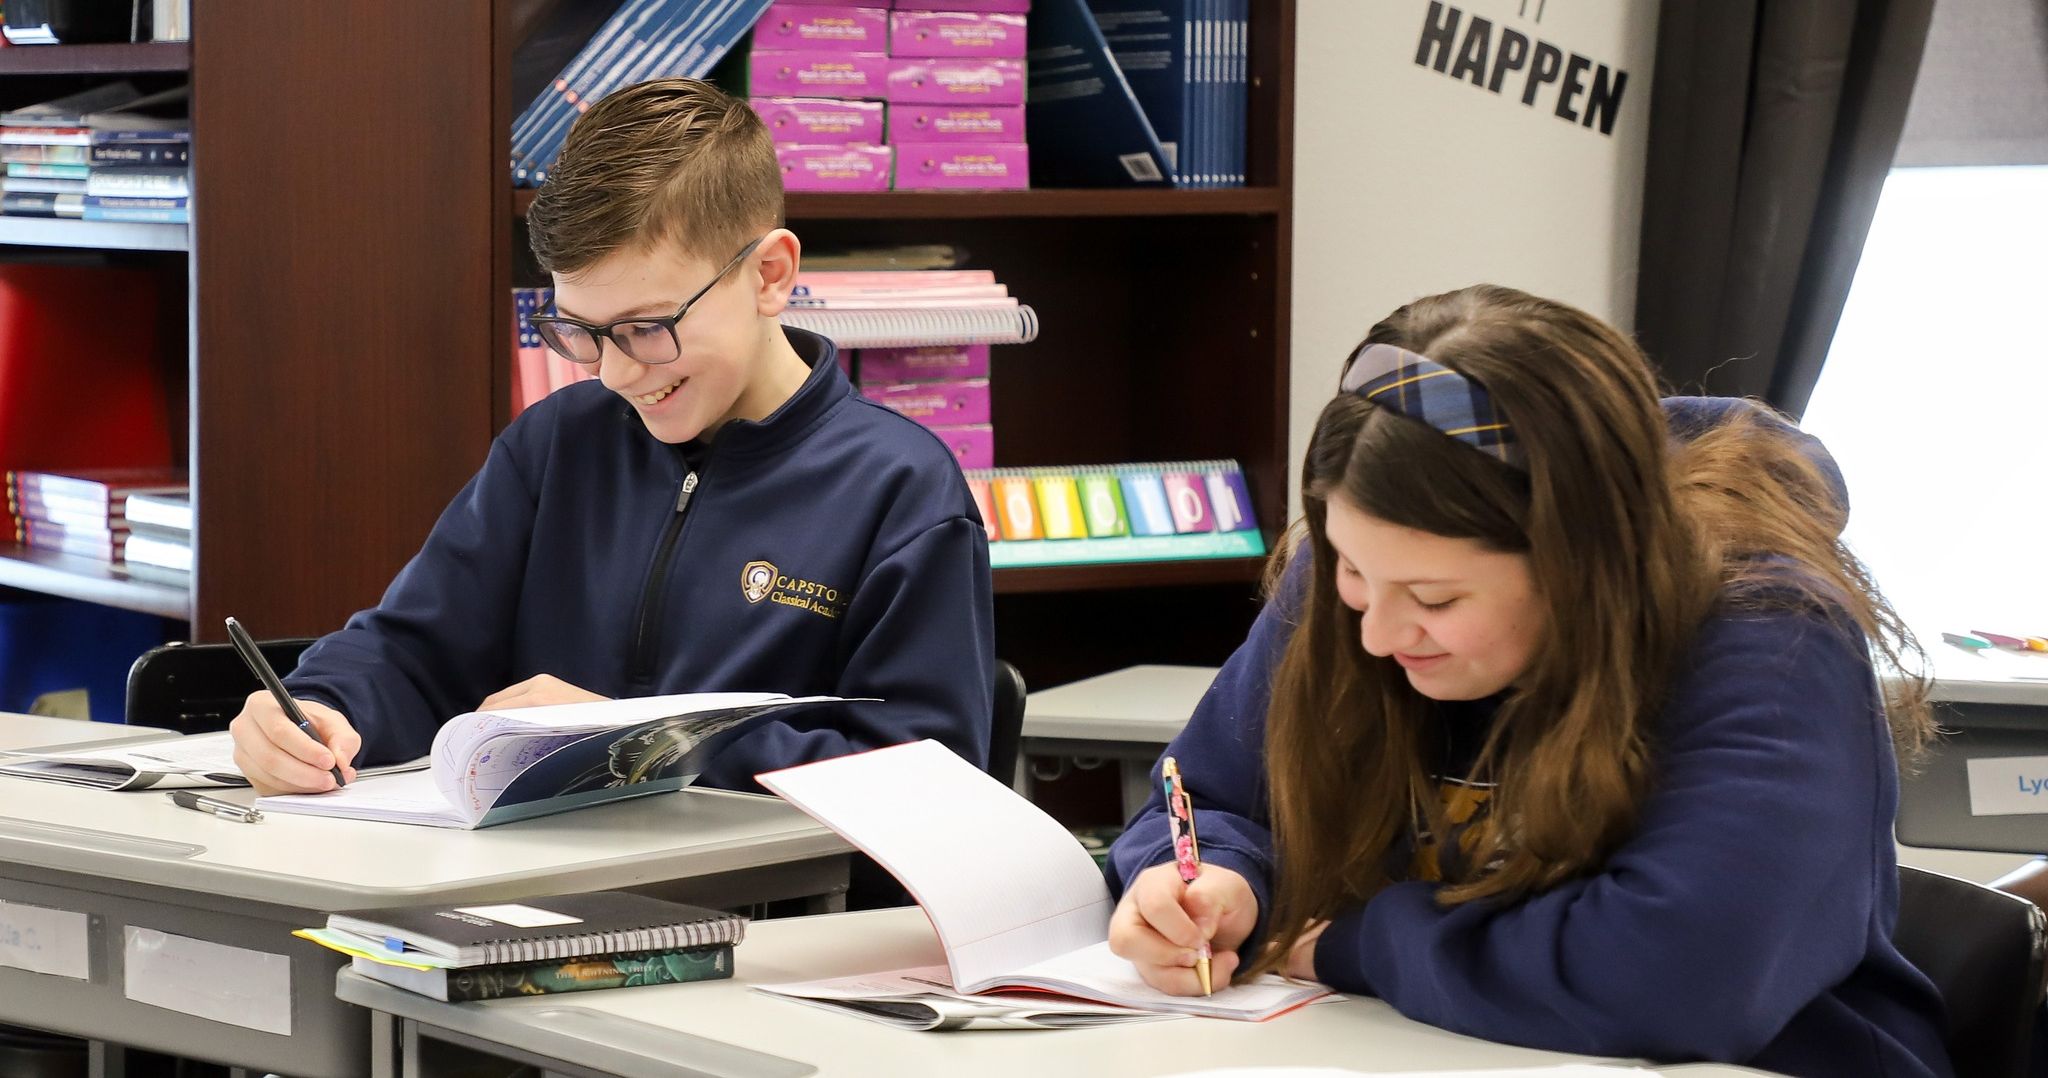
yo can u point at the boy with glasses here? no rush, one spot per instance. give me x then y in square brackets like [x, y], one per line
[717, 511]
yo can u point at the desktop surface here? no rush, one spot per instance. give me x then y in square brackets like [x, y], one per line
[722, 1027]
[1137, 704]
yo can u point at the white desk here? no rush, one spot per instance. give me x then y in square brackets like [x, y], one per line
[42, 732]
[1996, 705]
[135, 860]
[1128, 715]
[721, 1028]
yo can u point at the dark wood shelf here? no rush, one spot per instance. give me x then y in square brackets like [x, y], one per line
[93, 235]
[90, 580]
[966, 205]
[122, 58]
[1149, 574]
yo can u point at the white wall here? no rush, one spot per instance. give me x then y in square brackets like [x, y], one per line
[1409, 183]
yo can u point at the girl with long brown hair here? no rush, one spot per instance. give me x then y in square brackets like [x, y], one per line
[1562, 726]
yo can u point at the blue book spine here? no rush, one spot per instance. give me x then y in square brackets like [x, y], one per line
[525, 129]
[1087, 126]
[1149, 41]
[666, 38]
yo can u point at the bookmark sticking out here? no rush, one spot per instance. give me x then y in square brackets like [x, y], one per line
[1059, 508]
[986, 504]
[1145, 501]
[1965, 641]
[1102, 503]
[1017, 508]
[1230, 502]
[1190, 505]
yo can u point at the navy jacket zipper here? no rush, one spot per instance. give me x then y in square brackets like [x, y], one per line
[642, 670]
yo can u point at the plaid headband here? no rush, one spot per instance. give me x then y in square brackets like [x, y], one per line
[1410, 384]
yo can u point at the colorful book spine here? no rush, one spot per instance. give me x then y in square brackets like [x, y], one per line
[1116, 513]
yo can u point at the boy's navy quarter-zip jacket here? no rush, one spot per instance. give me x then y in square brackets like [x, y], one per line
[831, 548]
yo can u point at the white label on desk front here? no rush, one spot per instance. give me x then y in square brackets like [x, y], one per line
[2008, 785]
[226, 984]
[42, 940]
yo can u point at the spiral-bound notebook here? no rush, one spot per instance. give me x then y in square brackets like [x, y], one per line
[995, 323]
[565, 926]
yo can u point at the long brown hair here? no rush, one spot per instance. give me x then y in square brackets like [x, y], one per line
[1631, 543]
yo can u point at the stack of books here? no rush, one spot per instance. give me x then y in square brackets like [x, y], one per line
[160, 530]
[641, 40]
[569, 943]
[917, 341]
[536, 370]
[1169, 511]
[106, 154]
[87, 512]
[929, 95]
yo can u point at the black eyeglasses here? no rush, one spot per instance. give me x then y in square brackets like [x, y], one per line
[642, 340]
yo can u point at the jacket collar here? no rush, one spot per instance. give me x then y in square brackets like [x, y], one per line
[823, 391]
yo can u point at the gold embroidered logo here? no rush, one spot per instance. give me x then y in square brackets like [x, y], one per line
[757, 580]
[762, 580]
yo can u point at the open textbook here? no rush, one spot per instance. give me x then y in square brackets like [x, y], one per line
[1018, 904]
[143, 763]
[493, 767]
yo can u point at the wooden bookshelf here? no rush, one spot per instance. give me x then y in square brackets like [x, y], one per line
[93, 235]
[90, 581]
[116, 59]
[959, 205]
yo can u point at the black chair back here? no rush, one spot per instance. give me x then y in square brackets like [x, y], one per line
[1008, 727]
[199, 688]
[1985, 951]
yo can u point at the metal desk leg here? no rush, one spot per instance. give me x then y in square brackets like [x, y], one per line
[105, 1060]
[384, 1046]
[1137, 784]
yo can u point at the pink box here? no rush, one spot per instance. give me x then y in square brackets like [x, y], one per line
[811, 73]
[955, 361]
[956, 81]
[961, 5]
[935, 404]
[956, 123]
[981, 166]
[816, 26]
[817, 121]
[973, 446]
[955, 33]
[834, 168]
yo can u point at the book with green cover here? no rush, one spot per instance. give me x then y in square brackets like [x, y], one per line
[467, 984]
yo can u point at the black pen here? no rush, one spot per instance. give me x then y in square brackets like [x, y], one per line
[226, 810]
[246, 648]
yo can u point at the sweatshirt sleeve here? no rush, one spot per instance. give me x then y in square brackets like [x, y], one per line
[437, 642]
[920, 638]
[1750, 882]
[1222, 758]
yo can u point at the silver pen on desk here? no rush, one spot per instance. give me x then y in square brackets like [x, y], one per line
[226, 810]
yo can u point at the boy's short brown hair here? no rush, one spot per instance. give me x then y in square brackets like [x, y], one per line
[671, 160]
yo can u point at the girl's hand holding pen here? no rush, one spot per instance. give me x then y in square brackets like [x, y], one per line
[1161, 923]
[279, 758]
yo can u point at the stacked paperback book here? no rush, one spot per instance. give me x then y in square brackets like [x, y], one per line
[929, 95]
[570, 943]
[93, 513]
[106, 154]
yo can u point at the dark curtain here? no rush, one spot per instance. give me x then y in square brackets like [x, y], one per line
[1772, 126]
